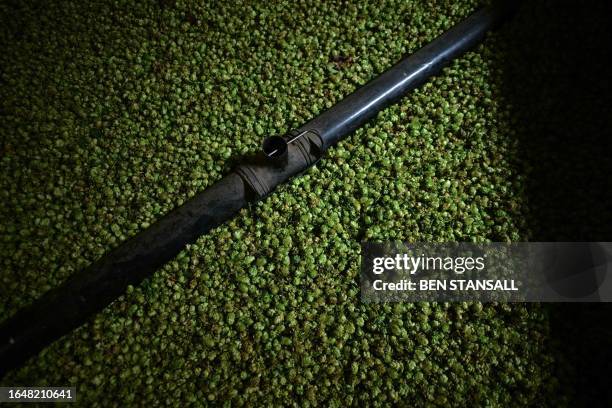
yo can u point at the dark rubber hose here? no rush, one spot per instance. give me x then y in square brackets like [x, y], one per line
[90, 290]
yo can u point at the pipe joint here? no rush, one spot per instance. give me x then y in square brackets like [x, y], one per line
[280, 159]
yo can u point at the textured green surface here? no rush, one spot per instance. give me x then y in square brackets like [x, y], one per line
[114, 113]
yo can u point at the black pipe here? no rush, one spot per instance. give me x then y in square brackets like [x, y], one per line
[363, 104]
[65, 308]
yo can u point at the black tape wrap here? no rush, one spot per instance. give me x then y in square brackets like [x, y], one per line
[263, 173]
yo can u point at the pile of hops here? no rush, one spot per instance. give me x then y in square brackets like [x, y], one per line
[113, 113]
